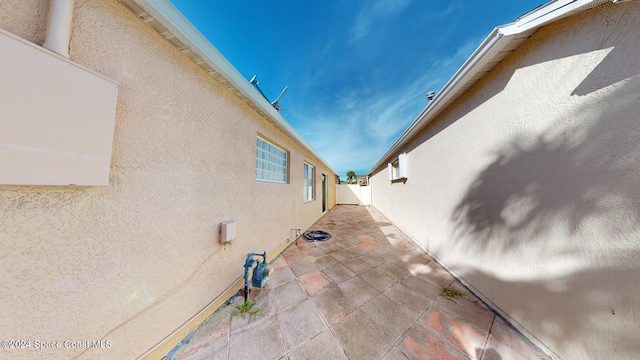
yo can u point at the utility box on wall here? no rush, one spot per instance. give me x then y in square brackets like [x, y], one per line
[56, 118]
[227, 231]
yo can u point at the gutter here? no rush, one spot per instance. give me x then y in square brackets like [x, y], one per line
[500, 43]
[174, 26]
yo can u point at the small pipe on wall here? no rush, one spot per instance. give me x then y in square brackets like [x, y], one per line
[58, 32]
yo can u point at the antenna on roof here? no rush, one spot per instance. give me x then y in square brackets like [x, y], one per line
[430, 95]
[274, 103]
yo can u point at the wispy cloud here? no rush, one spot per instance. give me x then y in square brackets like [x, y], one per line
[359, 128]
[372, 13]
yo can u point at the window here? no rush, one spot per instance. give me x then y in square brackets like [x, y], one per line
[398, 168]
[309, 183]
[271, 162]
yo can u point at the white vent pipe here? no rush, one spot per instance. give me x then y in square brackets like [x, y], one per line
[58, 32]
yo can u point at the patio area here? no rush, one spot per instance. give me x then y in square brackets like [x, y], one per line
[367, 293]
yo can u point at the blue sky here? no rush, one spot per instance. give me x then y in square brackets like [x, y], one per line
[357, 70]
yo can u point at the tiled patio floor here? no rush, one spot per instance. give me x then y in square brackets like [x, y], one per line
[367, 293]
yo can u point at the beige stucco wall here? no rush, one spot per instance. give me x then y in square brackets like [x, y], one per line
[133, 261]
[528, 186]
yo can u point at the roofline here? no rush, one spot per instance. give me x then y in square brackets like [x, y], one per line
[163, 17]
[501, 41]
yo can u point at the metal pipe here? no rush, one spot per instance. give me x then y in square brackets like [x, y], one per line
[58, 33]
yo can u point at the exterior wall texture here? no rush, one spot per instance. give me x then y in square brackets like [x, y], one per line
[133, 261]
[528, 186]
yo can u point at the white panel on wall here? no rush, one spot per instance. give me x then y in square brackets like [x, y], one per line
[56, 118]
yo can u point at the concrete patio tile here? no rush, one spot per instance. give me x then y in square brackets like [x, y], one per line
[373, 259]
[408, 259]
[218, 350]
[352, 239]
[378, 279]
[279, 263]
[333, 304]
[388, 251]
[296, 257]
[314, 283]
[357, 250]
[308, 265]
[258, 342]
[314, 251]
[384, 312]
[456, 331]
[508, 344]
[325, 261]
[338, 273]
[358, 290]
[286, 295]
[422, 286]
[394, 354]
[303, 244]
[437, 272]
[357, 266]
[475, 314]
[394, 271]
[216, 327]
[384, 303]
[299, 324]
[321, 347]
[408, 300]
[328, 246]
[360, 337]
[341, 255]
[364, 238]
[281, 276]
[341, 244]
[418, 343]
[262, 302]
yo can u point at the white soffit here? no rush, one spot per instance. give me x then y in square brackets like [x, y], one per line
[502, 41]
[164, 18]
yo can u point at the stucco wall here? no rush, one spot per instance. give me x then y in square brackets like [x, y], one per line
[133, 261]
[353, 194]
[528, 186]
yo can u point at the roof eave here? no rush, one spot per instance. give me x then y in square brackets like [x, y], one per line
[495, 47]
[163, 17]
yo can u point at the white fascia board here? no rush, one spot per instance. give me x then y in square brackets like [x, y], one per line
[166, 14]
[543, 15]
[475, 62]
[487, 52]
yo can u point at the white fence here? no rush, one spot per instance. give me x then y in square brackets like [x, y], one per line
[353, 194]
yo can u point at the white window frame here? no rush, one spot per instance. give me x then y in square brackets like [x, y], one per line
[272, 162]
[309, 182]
[398, 168]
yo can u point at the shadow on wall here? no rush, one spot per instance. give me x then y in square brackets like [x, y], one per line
[579, 321]
[573, 194]
[616, 66]
[581, 174]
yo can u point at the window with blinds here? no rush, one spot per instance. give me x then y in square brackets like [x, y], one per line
[309, 183]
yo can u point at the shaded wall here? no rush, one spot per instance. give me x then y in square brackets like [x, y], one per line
[528, 186]
[133, 261]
